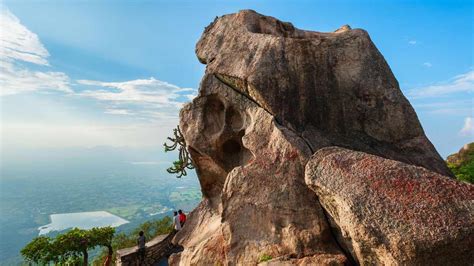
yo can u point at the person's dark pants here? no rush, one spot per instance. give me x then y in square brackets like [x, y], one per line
[141, 254]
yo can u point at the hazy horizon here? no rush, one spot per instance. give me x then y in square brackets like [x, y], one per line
[115, 74]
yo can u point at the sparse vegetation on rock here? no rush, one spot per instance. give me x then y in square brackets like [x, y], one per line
[462, 163]
[184, 160]
[264, 257]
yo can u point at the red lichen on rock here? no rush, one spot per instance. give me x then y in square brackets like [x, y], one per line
[390, 200]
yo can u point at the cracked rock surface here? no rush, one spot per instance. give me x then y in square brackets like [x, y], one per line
[271, 96]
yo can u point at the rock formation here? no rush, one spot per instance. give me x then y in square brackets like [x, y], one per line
[387, 212]
[330, 88]
[271, 96]
[462, 156]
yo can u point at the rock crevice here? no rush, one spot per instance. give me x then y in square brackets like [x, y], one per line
[226, 80]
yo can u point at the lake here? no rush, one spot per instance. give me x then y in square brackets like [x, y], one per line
[82, 220]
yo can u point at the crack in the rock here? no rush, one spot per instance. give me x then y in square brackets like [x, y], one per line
[219, 77]
[306, 141]
[228, 84]
[351, 260]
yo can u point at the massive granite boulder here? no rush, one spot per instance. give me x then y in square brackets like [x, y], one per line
[387, 212]
[271, 96]
[330, 88]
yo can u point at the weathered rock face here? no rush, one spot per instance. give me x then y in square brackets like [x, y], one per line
[270, 97]
[331, 88]
[252, 176]
[391, 213]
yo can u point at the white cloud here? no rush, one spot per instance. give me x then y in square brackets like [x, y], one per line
[148, 98]
[83, 134]
[150, 91]
[443, 104]
[461, 83]
[117, 112]
[192, 95]
[15, 79]
[412, 42]
[448, 107]
[468, 128]
[19, 45]
[427, 64]
[452, 111]
[149, 107]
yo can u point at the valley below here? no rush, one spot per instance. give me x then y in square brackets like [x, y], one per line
[130, 193]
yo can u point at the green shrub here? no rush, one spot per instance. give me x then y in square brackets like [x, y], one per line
[463, 172]
[461, 163]
[264, 257]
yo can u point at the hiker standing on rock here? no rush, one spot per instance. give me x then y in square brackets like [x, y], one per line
[182, 217]
[176, 222]
[141, 248]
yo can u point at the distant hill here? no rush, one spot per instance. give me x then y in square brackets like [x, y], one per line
[462, 163]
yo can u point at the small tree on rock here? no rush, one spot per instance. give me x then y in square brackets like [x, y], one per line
[184, 159]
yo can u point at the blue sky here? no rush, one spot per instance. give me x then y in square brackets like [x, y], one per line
[115, 73]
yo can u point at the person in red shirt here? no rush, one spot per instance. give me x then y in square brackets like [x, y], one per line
[182, 217]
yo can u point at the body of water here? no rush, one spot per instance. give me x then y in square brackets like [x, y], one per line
[82, 220]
